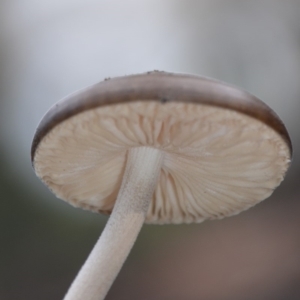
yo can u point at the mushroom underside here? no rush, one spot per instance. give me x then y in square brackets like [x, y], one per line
[217, 162]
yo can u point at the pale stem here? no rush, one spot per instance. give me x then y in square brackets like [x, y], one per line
[111, 250]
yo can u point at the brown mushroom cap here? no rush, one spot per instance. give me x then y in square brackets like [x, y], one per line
[225, 150]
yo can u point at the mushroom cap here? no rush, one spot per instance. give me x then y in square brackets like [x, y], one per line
[225, 150]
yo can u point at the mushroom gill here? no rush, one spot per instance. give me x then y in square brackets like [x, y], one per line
[216, 164]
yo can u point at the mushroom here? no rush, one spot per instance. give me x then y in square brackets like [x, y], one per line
[156, 148]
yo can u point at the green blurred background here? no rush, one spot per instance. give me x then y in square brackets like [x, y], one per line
[49, 49]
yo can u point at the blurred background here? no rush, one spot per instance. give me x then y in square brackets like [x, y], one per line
[49, 49]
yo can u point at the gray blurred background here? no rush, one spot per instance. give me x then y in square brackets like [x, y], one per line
[51, 48]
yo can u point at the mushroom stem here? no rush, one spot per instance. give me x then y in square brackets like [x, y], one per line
[112, 248]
